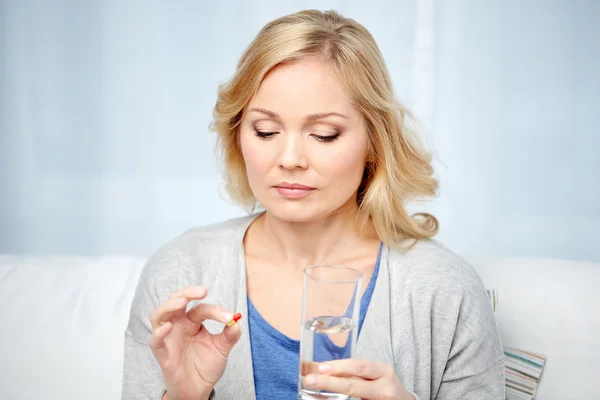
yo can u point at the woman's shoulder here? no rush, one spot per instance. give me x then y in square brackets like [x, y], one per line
[199, 239]
[442, 295]
[198, 254]
[220, 230]
[431, 265]
[431, 279]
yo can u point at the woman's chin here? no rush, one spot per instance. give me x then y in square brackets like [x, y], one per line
[295, 212]
[295, 216]
[301, 213]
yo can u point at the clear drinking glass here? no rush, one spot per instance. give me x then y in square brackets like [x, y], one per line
[330, 315]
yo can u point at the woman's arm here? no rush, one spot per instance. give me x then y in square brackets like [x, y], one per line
[475, 365]
[142, 376]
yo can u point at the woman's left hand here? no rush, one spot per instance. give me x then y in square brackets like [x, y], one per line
[367, 380]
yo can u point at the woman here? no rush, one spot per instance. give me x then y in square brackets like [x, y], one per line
[311, 133]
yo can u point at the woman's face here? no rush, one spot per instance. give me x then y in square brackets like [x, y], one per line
[304, 144]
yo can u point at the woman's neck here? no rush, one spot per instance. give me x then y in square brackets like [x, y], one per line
[300, 244]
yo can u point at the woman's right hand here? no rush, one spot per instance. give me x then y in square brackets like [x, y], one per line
[192, 359]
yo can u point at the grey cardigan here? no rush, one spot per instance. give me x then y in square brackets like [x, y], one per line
[429, 317]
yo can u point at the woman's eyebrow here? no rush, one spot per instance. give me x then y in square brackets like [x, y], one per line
[310, 117]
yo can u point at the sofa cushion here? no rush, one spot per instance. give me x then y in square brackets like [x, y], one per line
[550, 306]
[63, 320]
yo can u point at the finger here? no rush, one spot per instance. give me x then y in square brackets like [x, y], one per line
[354, 387]
[225, 340]
[191, 293]
[352, 367]
[176, 302]
[165, 311]
[157, 340]
[230, 335]
[309, 367]
[202, 312]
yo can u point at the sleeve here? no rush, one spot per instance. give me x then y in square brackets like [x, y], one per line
[142, 376]
[475, 365]
[487, 384]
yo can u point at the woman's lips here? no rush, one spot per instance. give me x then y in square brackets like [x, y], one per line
[293, 191]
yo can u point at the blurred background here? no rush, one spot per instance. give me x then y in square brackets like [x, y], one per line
[105, 107]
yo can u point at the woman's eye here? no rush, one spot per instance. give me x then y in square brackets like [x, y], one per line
[327, 138]
[321, 138]
[265, 135]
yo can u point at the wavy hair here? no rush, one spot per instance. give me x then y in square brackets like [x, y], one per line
[398, 166]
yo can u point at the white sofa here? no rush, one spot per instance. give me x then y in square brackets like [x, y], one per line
[62, 321]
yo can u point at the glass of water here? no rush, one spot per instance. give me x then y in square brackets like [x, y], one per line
[330, 315]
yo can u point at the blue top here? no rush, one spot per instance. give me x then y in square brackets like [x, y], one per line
[276, 357]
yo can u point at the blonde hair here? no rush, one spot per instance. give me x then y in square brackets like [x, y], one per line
[398, 167]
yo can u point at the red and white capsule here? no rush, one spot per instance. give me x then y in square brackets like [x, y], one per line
[235, 319]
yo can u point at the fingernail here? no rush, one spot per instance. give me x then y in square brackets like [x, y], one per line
[200, 290]
[324, 368]
[310, 380]
[227, 316]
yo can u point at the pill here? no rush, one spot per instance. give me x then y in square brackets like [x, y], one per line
[235, 319]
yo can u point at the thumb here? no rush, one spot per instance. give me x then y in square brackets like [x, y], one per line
[225, 340]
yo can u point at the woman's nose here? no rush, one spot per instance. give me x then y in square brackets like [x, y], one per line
[292, 152]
